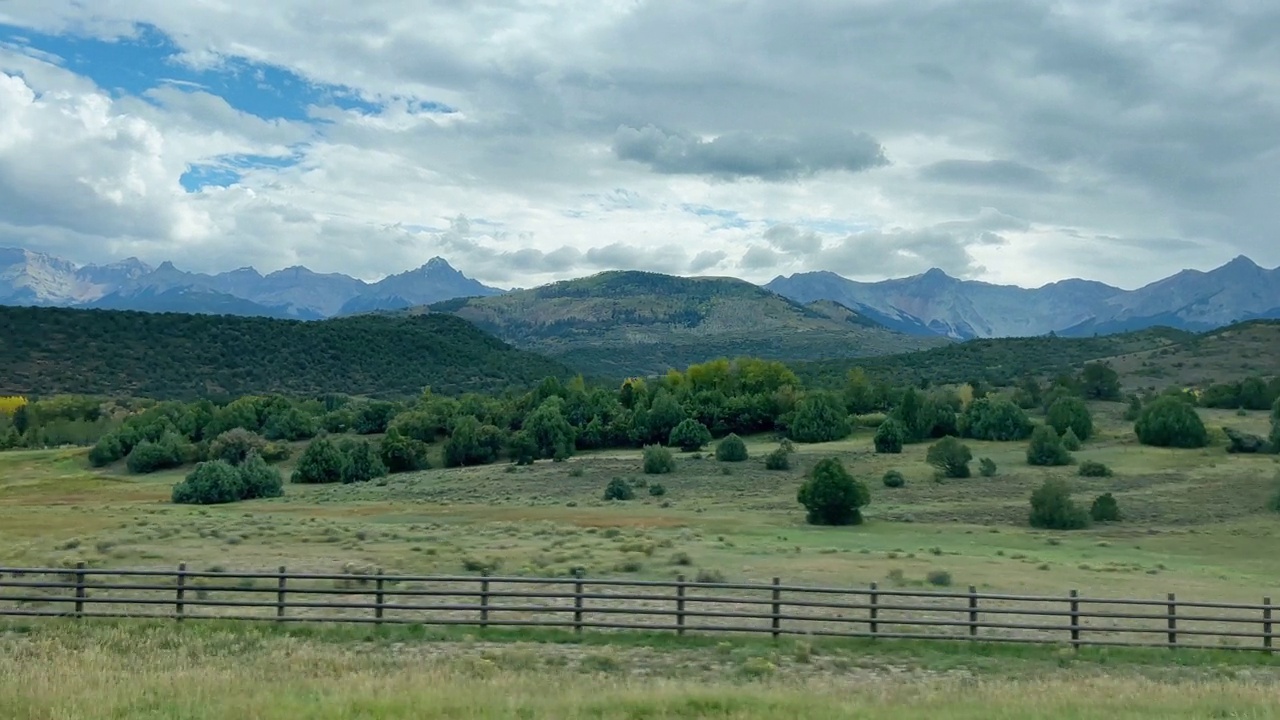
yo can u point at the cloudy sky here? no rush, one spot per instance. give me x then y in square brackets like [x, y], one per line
[1017, 141]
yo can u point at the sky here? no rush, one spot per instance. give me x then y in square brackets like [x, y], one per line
[1012, 141]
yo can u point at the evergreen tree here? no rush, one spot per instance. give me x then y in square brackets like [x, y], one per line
[689, 435]
[321, 462]
[1046, 448]
[819, 418]
[1171, 422]
[890, 436]
[1070, 413]
[360, 463]
[832, 496]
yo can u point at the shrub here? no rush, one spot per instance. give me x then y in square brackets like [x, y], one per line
[890, 436]
[291, 425]
[148, 457]
[779, 459]
[658, 460]
[276, 452]
[1105, 509]
[939, 578]
[819, 417]
[210, 483]
[951, 457]
[107, 450]
[321, 462]
[1046, 448]
[987, 467]
[401, 453]
[1242, 442]
[657, 490]
[1093, 468]
[618, 489]
[1053, 509]
[1134, 409]
[996, 419]
[689, 435]
[1070, 413]
[1070, 441]
[235, 445]
[360, 462]
[472, 443]
[731, 449]
[1275, 427]
[1171, 422]
[832, 496]
[894, 479]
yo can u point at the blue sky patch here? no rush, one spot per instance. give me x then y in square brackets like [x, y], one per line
[228, 170]
[133, 65]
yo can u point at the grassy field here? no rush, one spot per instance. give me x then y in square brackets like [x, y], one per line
[202, 672]
[1195, 521]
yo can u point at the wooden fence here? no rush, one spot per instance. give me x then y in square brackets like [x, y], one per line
[676, 606]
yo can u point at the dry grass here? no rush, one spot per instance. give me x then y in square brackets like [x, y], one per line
[187, 674]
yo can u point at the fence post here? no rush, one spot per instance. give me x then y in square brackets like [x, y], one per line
[1173, 621]
[973, 611]
[874, 597]
[777, 608]
[577, 606]
[484, 600]
[80, 589]
[179, 607]
[379, 598]
[680, 604]
[280, 595]
[1266, 624]
[1075, 619]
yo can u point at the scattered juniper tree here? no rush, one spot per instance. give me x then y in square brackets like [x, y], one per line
[832, 496]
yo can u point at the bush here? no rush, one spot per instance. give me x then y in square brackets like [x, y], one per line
[689, 435]
[1070, 413]
[1046, 448]
[731, 449]
[657, 490]
[939, 578]
[321, 462]
[1171, 422]
[1134, 410]
[1105, 509]
[400, 453]
[1093, 468]
[832, 496]
[1053, 509]
[996, 419]
[1242, 442]
[658, 460]
[779, 459]
[210, 483]
[819, 417]
[1070, 441]
[360, 462]
[472, 443]
[618, 489]
[987, 467]
[148, 457]
[291, 425]
[235, 445]
[276, 452]
[1275, 427]
[951, 457]
[890, 436]
[894, 479]
[107, 450]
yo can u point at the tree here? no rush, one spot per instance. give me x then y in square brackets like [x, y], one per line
[910, 413]
[1171, 422]
[321, 462]
[1098, 381]
[731, 449]
[996, 419]
[1275, 427]
[859, 395]
[169, 451]
[987, 467]
[522, 449]
[235, 445]
[832, 496]
[1134, 409]
[401, 453]
[778, 459]
[291, 425]
[472, 443]
[657, 460]
[360, 463]
[211, 483]
[1053, 509]
[1105, 509]
[819, 418]
[1070, 441]
[1046, 448]
[951, 457]
[890, 436]
[1070, 413]
[689, 435]
[258, 479]
[551, 434]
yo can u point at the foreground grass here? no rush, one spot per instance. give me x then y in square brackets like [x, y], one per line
[206, 672]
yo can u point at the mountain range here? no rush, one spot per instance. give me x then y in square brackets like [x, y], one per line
[38, 279]
[932, 304]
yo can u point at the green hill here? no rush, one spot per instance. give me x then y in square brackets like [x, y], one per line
[1222, 355]
[620, 323]
[997, 361]
[170, 355]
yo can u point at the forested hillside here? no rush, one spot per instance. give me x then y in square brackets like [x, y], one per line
[168, 355]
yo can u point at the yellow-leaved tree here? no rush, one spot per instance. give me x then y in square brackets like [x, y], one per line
[10, 404]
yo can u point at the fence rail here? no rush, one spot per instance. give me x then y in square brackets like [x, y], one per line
[679, 606]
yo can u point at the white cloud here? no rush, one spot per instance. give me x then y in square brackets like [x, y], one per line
[1078, 131]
